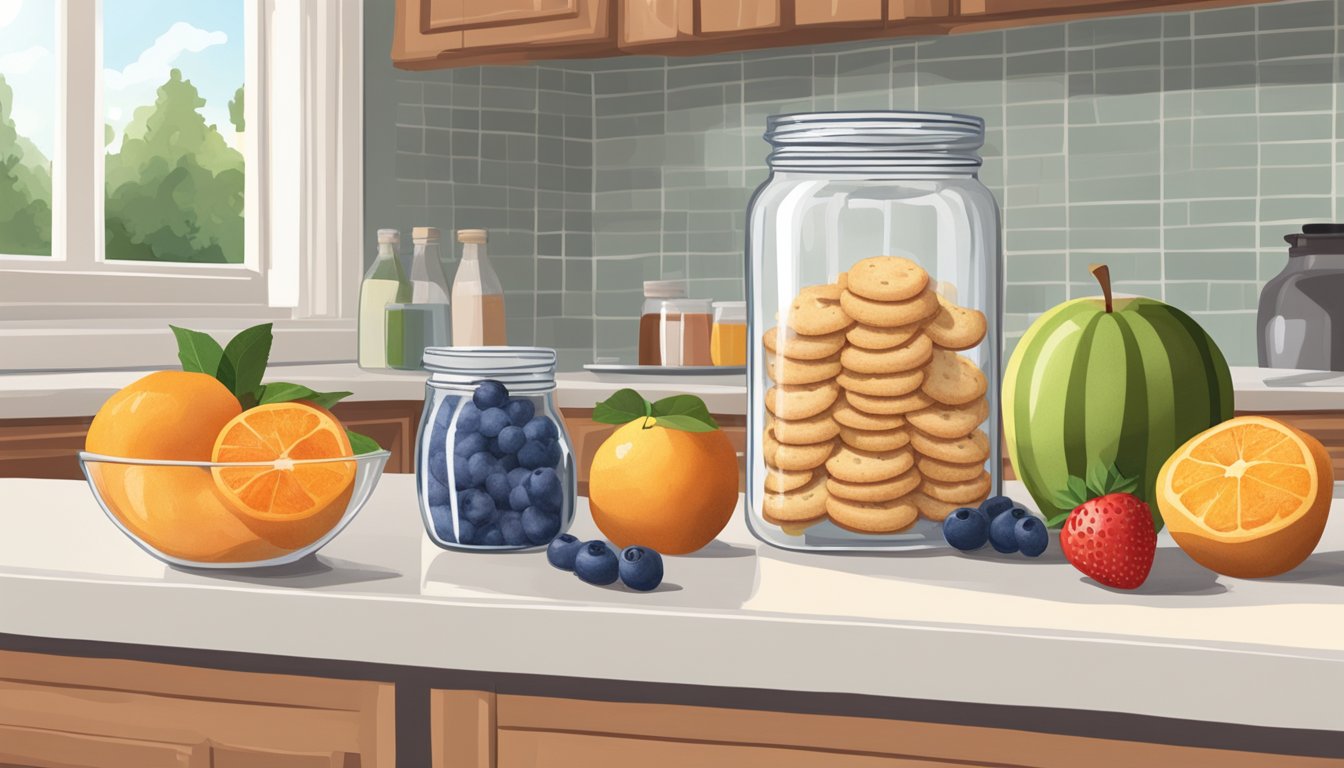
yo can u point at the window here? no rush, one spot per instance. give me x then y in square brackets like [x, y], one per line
[219, 146]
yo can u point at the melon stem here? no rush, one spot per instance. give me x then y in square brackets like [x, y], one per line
[1103, 275]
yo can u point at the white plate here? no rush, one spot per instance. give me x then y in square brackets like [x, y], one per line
[665, 370]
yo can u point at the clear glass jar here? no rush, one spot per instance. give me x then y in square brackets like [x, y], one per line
[836, 459]
[492, 480]
[673, 330]
[1301, 318]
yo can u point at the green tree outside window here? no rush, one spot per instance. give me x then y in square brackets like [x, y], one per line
[25, 188]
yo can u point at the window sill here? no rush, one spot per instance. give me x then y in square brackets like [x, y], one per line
[81, 393]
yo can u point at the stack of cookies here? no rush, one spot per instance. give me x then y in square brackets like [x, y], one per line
[874, 418]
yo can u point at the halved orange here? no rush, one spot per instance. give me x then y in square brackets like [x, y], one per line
[290, 502]
[1248, 497]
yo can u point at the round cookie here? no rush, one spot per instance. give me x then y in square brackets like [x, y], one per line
[799, 347]
[881, 384]
[805, 503]
[906, 357]
[931, 508]
[816, 311]
[814, 429]
[854, 465]
[950, 421]
[946, 472]
[847, 415]
[795, 457]
[785, 370]
[888, 405]
[956, 327]
[972, 449]
[801, 401]
[883, 490]
[873, 337]
[889, 314]
[782, 480]
[964, 492]
[872, 516]
[952, 379]
[874, 440]
[887, 278]
[792, 528]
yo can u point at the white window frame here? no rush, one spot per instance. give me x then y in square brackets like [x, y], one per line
[303, 210]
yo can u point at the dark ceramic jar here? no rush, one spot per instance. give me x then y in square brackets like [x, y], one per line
[1301, 320]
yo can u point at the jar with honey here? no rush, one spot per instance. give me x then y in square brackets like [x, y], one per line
[728, 336]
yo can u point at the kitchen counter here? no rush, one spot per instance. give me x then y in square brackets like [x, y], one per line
[923, 625]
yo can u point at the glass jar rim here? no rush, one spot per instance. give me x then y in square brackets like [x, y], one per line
[874, 139]
[522, 369]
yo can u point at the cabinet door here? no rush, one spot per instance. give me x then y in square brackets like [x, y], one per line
[847, 12]
[38, 748]
[900, 11]
[430, 33]
[734, 17]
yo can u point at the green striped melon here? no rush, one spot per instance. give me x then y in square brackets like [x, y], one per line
[1101, 386]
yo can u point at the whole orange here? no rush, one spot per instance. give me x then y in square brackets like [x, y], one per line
[661, 488]
[166, 415]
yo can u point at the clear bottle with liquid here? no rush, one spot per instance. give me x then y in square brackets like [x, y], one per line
[477, 298]
[424, 322]
[385, 283]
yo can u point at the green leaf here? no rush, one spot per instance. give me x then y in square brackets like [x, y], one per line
[244, 363]
[684, 423]
[684, 405]
[623, 406]
[199, 352]
[1096, 480]
[285, 392]
[1078, 488]
[1058, 520]
[362, 443]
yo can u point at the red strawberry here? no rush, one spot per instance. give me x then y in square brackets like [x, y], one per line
[1111, 538]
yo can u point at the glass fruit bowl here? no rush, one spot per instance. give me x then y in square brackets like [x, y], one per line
[201, 514]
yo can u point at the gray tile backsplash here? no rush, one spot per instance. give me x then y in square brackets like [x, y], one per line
[1179, 148]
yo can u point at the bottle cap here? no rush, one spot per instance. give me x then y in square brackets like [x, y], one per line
[664, 289]
[425, 234]
[389, 236]
[477, 236]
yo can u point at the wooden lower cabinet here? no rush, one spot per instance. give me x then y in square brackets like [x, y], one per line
[64, 712]
[543, 732]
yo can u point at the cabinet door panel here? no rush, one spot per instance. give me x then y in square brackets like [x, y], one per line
[585, 21]
[230, 757]
[901, 10]
[34, 748]
[445, 15]
[645, 22]
[809, 12]
[728, 16]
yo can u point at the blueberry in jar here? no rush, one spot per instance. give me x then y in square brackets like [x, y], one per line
[511, 526]
[597, 564]
[468, 419]
[517, 476]
[493, 421]
[520, 411]
[467, 445]
[1001, 530]
[438, 493]
[540, 527]
[476, 506]
[641, 568]
[511, 439]
[466, 532]
[461, 473]
[540, 428]
[490, 536]
[562, 551]
[545, 491]
[490, 394]
[437, 459]
[479, 467]
[518, 498]
[508, 463]
[497, 485]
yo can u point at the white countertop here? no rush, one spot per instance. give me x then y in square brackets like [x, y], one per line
[925, 625]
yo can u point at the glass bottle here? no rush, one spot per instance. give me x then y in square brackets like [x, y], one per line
[728, 339]
[385, 283]
[424, 322]
[477, 299]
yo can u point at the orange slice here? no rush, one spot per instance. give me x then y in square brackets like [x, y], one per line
[292, 501]
[1248, 497]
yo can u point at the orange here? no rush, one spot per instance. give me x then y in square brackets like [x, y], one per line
[165, 415]
[1248, 497]
[179, 512]
[288, 502]
[662, 488]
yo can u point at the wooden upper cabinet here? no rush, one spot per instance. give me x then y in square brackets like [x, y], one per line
[850, 12]
[435, 33]
[735, 17]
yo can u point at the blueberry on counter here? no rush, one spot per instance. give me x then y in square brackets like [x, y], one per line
[541, 428]
[493, 421]
[540, 527]
[1032, 537]
[641, 568]
[596, 564]
[497, 485]
[511, 526]
[995, 506]
[562, 551]
[520, 411]
[1001, 529]
[490, 536]
[467, 445]
[545, 491]
[966, 529]
[476, 506]
[469, 418]
[511, 439]
[518, 498]
[490, 394]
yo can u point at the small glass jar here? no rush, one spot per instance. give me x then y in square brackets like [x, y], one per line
[673, 330]
[1301, 318]
[494, 467]
[873, 381]
[728, 338]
